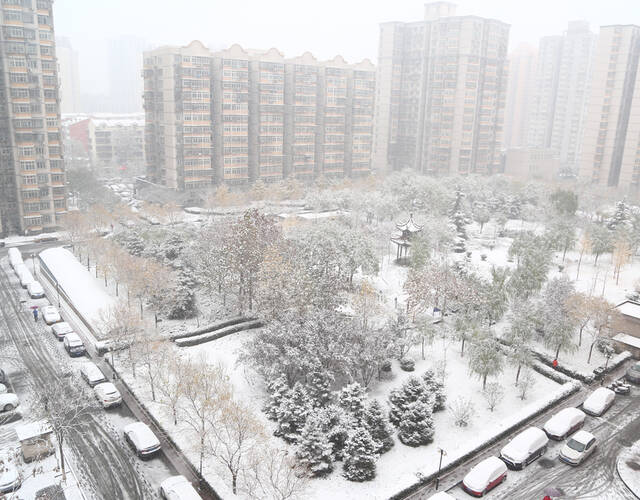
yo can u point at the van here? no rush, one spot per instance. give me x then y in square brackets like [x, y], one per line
[92, 374]
[73, 344]
[523, 449]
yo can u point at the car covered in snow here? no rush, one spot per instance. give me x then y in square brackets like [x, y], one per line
[578, 447]
[142, 439]
[92, 374]
[108, 395]
[15, 257]
[8, 401]
[485, 476]
[35, 290]
[633, 373]
[24, 275]
[599, 401]
[178, 488]
[73, 345]
[60, 330]
[10, 479]
[3, 388]
[523, 449]
[50, 315]
[564, 423]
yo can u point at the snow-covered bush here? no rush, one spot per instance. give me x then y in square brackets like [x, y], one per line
[351, 398]
[292, 413]
[462, 410]
[319, 388]
[314, 450]
[436, 388]
[493, 393]
[337, 424]
[378, 426]
[408, 365]
[416, 427]
[360, 456]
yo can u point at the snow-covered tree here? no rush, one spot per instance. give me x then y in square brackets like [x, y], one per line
[277, 389]
[402, 334]
[527, 381]
[360, 456]
[462, 410]
[532, 270]
[336, 423]
[562, 235]
[413, 389]
[436, 388]
[621, 216]
[314, 450]
[319, 388]
[378, 426]
[523, 322]
[559, 325]
[292, 414]
[352, 399]
[485, 358]
[601, 240]
[416, 427]
[493, 394]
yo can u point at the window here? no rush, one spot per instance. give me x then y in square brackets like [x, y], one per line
[18, 77]
[30, 195]
[51, 108]
[29, 180]
[21, 108]
[59, 203]
[52, 122]
[28, 165]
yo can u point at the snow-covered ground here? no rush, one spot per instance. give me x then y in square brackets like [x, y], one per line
[628, 466]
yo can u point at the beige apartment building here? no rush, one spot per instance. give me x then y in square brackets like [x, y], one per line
[441, 93]
[611, 145]
[522, 66]
[258, 115]
[32, 176]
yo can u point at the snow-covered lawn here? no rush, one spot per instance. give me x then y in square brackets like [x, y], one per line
[628, 467]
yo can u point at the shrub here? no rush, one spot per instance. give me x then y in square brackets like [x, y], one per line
[408, 365]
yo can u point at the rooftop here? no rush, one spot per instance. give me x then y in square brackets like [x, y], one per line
[629, 308]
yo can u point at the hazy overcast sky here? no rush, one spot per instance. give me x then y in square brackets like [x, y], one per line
[324, 27]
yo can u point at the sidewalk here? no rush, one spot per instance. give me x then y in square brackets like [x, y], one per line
[628, 466]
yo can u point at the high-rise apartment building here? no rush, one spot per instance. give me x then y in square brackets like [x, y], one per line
[522, 65]
[124, 59]
[68, 73]
[611, 145]
[560, 93]
[254, 115]
[441, 93]
[32, 176]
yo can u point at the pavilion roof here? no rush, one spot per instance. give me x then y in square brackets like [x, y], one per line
[409, 225]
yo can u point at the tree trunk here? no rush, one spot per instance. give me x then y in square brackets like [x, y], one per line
[580, 336]
[141, 312]
[105, 280]
[96, 269]
[596, 261]
[462, 351]
[590, 351]
[234, 480]
[558, 351]
[484, 382]
[423, 348]
[518, 373]
[64, 473]
[116, 288]
[481, 226]
[579, 262]
[175, 416]
[564, 253]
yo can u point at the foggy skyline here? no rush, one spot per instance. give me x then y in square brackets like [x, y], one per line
[324, 29]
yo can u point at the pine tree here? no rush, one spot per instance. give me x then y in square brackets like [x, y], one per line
[416, 427]
[360, 456]
[412, 390]
[292, 413]
[351, 398]
[277, 389]
[314, 449]
[336, 423]
[319, 388]
[436, 389]
[378, 426]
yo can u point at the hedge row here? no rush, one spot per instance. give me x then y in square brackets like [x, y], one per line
[212, 327]
[218, 334]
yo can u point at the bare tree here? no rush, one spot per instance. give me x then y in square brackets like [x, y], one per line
[462, 410]
[621, 255]
[527, 381]
[171, 384]
[275, 475]
[584, 243]
[493, 394]
[235, 433]
[121, 326]
[151, 353]
[67, 409]
[206, 389]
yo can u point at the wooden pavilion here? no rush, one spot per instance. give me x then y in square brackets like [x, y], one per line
[402, 239]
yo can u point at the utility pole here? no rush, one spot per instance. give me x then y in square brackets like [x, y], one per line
[442, 453]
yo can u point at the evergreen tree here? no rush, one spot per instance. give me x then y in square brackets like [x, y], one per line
[180, 302]
[319, 388]
[360, 456]
[378, 426]
[351, 398]
[412, 390]
[436, 388]
[621, 216]
[277, 389]
[416, 427]
[292, 413]
[336, 424]
[314, 449]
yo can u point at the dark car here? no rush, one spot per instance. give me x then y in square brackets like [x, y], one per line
[633, 373]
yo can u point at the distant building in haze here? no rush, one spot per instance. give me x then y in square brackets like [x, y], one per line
[522, 66]
[124, 58]
[69, 79]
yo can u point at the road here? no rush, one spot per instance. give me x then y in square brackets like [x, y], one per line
[103, 461]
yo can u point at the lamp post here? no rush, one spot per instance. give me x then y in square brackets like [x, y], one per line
[442, 453]
[58, 291]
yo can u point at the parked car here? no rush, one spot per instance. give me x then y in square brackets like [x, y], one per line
[15, 257]
[178, 488]
[35, 290]
[578, 448]
[564, 423]
[142, 439]
[61, 329]
[633, 373]
[485, 476]
[523, 449]
[20, 268]
[24, 275]
[92, 374]
[599, 401]
[108, 395]
[73, 344]
[3, 388]
[50, 315]
[10, 480]
[8, 401]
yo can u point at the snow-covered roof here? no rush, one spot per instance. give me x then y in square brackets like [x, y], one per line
[524, 443]
[628, 339]
[484, 472]
[409, 225]
[629, 308]
[598, 398]
[561, 422]
[34, 429]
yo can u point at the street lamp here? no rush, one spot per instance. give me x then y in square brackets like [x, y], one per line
[33, 263]
[442, 453]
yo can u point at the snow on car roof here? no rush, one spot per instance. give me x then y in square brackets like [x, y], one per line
[562, 420]
[144, 435]
[182, 486]
[482, 473]
[600, 395]
[62, 327]
[582, 437]
[33, 429]
[519, 446]
[441, 495]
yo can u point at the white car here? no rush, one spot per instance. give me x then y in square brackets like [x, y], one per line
[20, 268]
[485, 476]
[50, 315]
[598, 401]
[142, 439]
[60, 330]
[578, 448]
[25, 276]
[9, 478]
[108, 395]
[3, 388]
[35, 290]
[15, 257]
[523, 449]
[92, 374]
[8, 401]
[178, 488]
[564, 423]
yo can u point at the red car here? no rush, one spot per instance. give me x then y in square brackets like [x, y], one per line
[485, 476]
